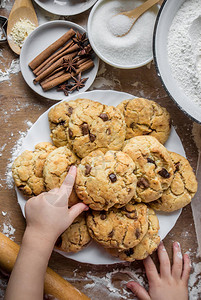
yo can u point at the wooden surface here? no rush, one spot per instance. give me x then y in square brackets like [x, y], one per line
[20, 106]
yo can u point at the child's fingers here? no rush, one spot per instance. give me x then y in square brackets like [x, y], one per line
[177, 261]
[150, 268]
[165, 267]
[186, 269]
[76, 210]
[138, 290]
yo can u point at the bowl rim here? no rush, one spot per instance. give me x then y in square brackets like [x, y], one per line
[157, 65]
[100, 55]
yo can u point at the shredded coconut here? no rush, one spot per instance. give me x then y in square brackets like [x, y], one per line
[21, 30]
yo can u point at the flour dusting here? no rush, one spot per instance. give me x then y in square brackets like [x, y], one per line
[14, 68]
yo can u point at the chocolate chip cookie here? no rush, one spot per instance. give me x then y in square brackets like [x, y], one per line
[56, 167]
[76, 237]
[145, 117]
[106, 180]
[148, 244]
[58, 121]
[154, 167]
[27, 169]
[93, 125]
[121, 228]
[182, 188]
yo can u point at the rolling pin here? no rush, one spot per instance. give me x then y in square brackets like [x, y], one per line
[55, 285]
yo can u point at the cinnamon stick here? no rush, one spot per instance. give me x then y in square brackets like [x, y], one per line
[51, 49]
[51, 84]
[70, 50]
[53, 76]
[53, 67]
[35, 71]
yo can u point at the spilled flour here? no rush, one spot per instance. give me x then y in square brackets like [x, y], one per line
[6, 228]
[14, 68]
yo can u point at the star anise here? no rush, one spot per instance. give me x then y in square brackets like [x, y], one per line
[86, 51]
[70, 64]
[80, 39]
[78, 83]
[65, 87]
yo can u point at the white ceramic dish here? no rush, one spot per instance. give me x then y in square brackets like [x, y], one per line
[100, 53]
[163, 23]
[40, 39]
[65, 7]
[95, 254]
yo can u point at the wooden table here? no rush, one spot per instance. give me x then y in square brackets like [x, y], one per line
[20, 107]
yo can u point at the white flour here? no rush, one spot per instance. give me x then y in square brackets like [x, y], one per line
[182, 50]
[14, 68]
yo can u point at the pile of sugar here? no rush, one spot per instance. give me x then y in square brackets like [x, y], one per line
[133, 48]
[182, 52]
[119, 25]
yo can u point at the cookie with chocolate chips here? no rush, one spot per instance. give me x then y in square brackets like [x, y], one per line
[93, 125]
[106, 180]
[182, 188]
[145, 117]
[76, 237]
[153, 167]
[147, 245]
[56, 167]
[58, 121]
[119, 228]
[27, 169]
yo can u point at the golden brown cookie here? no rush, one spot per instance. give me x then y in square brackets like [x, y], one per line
[93, 125]
[27, 169]
[148, 244]
[76, 237]
[106, 180]
[56, 167]
[58, 120]
[121, 228]
[145, 117]
[182, 188]
[154, 167]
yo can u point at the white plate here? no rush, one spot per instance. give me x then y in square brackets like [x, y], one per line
[40, 39]
[65, 7]
[95, 254]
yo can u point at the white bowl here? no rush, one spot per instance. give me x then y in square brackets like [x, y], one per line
[163, 23]
[100, 53]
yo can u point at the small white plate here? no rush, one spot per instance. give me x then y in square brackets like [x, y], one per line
[40, 39]
[94, 253]
[65, 7]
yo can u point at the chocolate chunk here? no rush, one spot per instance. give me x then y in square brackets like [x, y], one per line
[103, 216]
[151, 161]
[92, 137]
[143, 183]
[131, 215]
[110, 235]
[87, 169]
[104, 117]
[113, 177]
[61, 123]
[132, 125]
[84, 128]
[59, 242]
[177, 167]
[70, 110]
[129, 252]
[70, 133]
[164, 173]
[137, 233]
[108, 131]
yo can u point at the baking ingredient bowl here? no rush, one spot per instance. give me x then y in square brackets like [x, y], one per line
[161, 49]
[130, 51]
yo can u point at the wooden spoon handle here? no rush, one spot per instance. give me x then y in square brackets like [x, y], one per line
[55, 285]
[138, 11]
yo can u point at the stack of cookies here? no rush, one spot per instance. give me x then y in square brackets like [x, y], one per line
[124, 173]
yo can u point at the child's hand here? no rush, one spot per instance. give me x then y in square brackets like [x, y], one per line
[48, 215]
[169, 284]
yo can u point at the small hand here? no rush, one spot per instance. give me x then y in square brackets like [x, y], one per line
[169, 284]
[48, 215]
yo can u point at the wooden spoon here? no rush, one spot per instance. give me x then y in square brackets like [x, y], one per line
[133, 15]
[22, 9]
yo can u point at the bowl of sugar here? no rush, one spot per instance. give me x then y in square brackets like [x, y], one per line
[106, 31]
[177, 54]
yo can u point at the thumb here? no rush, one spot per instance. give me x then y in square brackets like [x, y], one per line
[67, 185]
[76, 210]
[138, 290]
